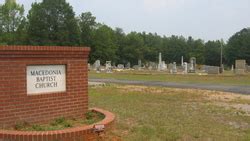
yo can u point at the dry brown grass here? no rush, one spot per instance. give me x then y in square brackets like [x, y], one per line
[156, 113]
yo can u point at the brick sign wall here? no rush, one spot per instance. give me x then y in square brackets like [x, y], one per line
[38, 84]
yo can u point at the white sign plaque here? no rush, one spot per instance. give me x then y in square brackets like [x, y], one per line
[46, 79]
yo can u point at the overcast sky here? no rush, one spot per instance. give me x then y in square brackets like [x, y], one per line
[205, 19]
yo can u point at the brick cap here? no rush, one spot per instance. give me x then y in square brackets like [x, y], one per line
[43, 48]
[25, 52]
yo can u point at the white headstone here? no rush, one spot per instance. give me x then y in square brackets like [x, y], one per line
[164, 66]
[108, 67]
[120, 66]
[160, 62]
[185, 67]
[139, 64]
[174, 68]
[97, 66]
[192, 68]
[128, 65]
[232, 68]
[182, 61]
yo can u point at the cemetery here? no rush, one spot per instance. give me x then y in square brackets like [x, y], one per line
[171, 72]
[48, 102]
[240, 68]
[174, 113]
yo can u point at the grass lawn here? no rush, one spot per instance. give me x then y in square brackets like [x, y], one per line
[160, 114]
[226, 79]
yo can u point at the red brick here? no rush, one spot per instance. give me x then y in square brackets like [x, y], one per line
[16, 105]
[14, 60]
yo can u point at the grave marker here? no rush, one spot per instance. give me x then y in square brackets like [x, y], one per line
[240, 66]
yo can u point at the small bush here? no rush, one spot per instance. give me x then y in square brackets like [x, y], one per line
[21, 125]
[37, 127]
[89, 115]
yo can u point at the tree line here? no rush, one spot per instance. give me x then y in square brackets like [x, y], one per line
[54, 23]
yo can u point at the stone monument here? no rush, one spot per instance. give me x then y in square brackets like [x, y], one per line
[120, 66]
[212, 69]
[128, 65]
[139, 64]
[174, 68]
[170, 66]
[192, 68]
[97, 66]
[160, 62]
[185, 65]
[164, 66]
[108, 67]
[232, 68]
[182, 64]
[240, 66]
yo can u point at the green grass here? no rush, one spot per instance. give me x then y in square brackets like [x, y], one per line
[60, 123]
[159, 114]
[225, 79]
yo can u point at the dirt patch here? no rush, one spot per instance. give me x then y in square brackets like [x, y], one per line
[206, 94]
[145, 89]
[243, 109]
[155, 90]
[239, 125]
[224, 96]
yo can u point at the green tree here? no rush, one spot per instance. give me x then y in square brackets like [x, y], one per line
[87, 24]
[53, 22]
[120, 41]
[152, 46]
[238, 47]
[11, 19]
[196, 48]
[133, 50]
[174, 48]
[212, 53]
[103, 47]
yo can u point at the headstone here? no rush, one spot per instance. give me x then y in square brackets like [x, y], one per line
[192, 68]
[240, 66]
[185, 67]
[221, 68]
[232, 68]
[120, 66]
[160, 63]
[108, 67]
[212, 69]
[152, 66]
[164, 66]
[97, 66]
[182, 61]
[139, 64]
[170, 66]
[174, 68]
[136, 67]
[128, 65]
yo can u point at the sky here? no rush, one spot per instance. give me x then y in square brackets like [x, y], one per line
[204, 19]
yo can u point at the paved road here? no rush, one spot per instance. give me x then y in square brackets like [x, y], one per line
[224, 88]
